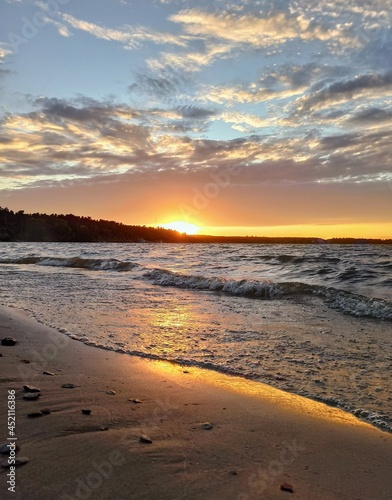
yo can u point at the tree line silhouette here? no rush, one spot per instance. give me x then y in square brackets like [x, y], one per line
[18, 226]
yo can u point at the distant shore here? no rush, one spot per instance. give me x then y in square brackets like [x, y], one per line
[21, 227]
[212, 436]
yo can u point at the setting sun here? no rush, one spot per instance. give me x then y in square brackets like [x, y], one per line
[182, 227]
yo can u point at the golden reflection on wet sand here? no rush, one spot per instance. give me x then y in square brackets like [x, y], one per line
[256, 391]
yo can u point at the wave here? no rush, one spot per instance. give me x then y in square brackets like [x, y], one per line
[355, 274]
[75, 262]
[289, 259]
[346, 302]
[246, 288]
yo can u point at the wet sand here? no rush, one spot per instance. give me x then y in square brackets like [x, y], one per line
[256, 439]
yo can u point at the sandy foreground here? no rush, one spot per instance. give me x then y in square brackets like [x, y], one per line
[261, 439]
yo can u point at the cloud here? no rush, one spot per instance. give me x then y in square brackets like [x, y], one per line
[62, 29]
[253, 30]
[370, 85]
[191, 62]
[83, 137]
[244, 122]
[130, 36]
[4, 53]
[83, 109]
[277, 82]
[246, 94]
[226, 33]
[195, 112]
[371, 116]
[63, 141]
[71, 138]
[163, 84]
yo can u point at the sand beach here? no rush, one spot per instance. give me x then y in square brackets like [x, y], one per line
[212, 436]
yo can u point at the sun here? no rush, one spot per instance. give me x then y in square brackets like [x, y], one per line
[182, 227]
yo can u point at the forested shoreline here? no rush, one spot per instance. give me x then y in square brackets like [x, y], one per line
[19, 226]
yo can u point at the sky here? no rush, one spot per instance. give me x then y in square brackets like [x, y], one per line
[243, 117]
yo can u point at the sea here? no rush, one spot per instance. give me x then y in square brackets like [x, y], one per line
[314, 320]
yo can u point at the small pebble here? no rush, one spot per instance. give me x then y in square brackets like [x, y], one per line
[86, 412]
[104, 428]
[31, 388]
[45, 411]
[68, 386]
[233, 473]
[135, 400]
[27, 361]
[8, 341]
[287, 487]
[206, 426]
[18, 461]
[145, 439]
[32, 396]
[35, 414]
[112, 393]
[5, 449]
[48, 373]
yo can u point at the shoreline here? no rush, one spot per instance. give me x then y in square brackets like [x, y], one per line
[261, 437]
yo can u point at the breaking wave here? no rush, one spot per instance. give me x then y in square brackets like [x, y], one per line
[245, 288]
[76, 262]
[346, 302]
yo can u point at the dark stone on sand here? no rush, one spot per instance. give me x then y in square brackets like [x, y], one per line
[31, 396]
[287, 487]
[104, 428]
[27, 361]
[86, 412]
[135, 400]
[68, 386]
[45, 411]
[5, 449]
[31, 388]
[206, 426]
[1, 355]
[8, 341]
[18, 461]
[35, 414]
[233, 473]
[145, 439]
[48, 373]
